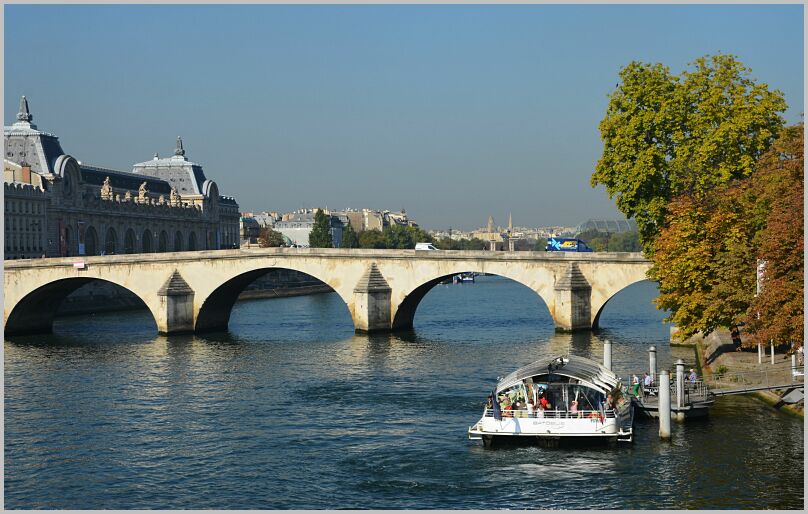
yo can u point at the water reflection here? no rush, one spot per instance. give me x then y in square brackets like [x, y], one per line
[291, 409]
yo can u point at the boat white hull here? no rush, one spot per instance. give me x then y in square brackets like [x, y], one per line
[546, 427]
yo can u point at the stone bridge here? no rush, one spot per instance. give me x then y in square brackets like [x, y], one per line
[195, 291]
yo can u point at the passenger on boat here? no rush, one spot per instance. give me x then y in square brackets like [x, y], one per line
[543, 403]
[574, 412]
[530, 408]
[507, 410]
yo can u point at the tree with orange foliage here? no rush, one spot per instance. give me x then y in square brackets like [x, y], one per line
[777, 313]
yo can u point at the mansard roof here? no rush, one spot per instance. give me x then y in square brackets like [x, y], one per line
[26, 145]
[177, 170]
[123, 179]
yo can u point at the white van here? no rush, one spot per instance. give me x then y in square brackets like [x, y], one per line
[425, 246]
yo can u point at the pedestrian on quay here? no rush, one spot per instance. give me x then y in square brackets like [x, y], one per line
[647, 383]
[692, 376]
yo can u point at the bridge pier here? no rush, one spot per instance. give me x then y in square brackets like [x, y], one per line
[573, 306]
[371, 312]
[176, 306]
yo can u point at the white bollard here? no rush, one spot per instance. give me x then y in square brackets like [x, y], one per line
[607, 354]
[793, 365]
[680, 383]
[652, 362]
[760, 354]
[772, 351]
[664, 405]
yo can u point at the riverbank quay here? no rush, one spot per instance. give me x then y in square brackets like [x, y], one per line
[716, 354]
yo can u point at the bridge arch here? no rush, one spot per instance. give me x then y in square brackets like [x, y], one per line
[34, 312]
[602, 296]
[404, 312]
[215, 309]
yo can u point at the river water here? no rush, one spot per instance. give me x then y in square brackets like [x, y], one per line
[290, 409]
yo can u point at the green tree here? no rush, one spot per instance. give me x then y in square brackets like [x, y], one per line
[320, 235]
[396, 236]
[349, 238]
[459, 244]
[597, 241]
[267, 237]
[372, 239]
[624, 242]
[665, 135]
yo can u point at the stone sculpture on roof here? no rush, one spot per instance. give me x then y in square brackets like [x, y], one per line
[174, 197]
[141, 193]
[106, 190]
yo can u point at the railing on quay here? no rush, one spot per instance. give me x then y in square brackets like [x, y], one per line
[757, 380]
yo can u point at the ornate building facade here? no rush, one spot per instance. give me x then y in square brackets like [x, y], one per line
[56, 206]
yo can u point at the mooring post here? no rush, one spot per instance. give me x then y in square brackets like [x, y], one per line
[664, 405]
[680, 384]
[793, 365]
[760, 354]
[607, 354]
[652, 362]
[772, 351]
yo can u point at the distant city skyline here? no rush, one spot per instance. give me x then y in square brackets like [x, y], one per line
[454, 113]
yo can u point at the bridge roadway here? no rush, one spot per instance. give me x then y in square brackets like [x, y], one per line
[195, 291]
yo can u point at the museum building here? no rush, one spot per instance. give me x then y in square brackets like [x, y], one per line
[57, 206]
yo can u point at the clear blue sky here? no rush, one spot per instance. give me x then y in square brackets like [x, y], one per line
[453, 112]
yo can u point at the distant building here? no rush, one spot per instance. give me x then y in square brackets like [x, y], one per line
[298, 225]
[249, 230]
[364, 219]
[57, 206]
[607, 226]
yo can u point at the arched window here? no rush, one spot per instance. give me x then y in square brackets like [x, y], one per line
[192, 241]
[147, 241]
[162, 245]
[68, 250]
[90, 241]
[129, 242]
[111, 242]
[178, 241]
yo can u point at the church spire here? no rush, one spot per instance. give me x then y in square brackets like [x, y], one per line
[24, 115]
[510, 222]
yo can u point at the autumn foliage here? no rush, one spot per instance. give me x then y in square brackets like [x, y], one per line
[706, 258]
[777, 313]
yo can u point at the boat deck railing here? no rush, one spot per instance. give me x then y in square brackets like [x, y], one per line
[552, 414]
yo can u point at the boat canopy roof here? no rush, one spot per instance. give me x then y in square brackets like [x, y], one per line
[585, 370]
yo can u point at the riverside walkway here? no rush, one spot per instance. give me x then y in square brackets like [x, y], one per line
[692, 397]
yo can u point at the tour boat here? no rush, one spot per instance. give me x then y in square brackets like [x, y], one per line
[573, 400]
